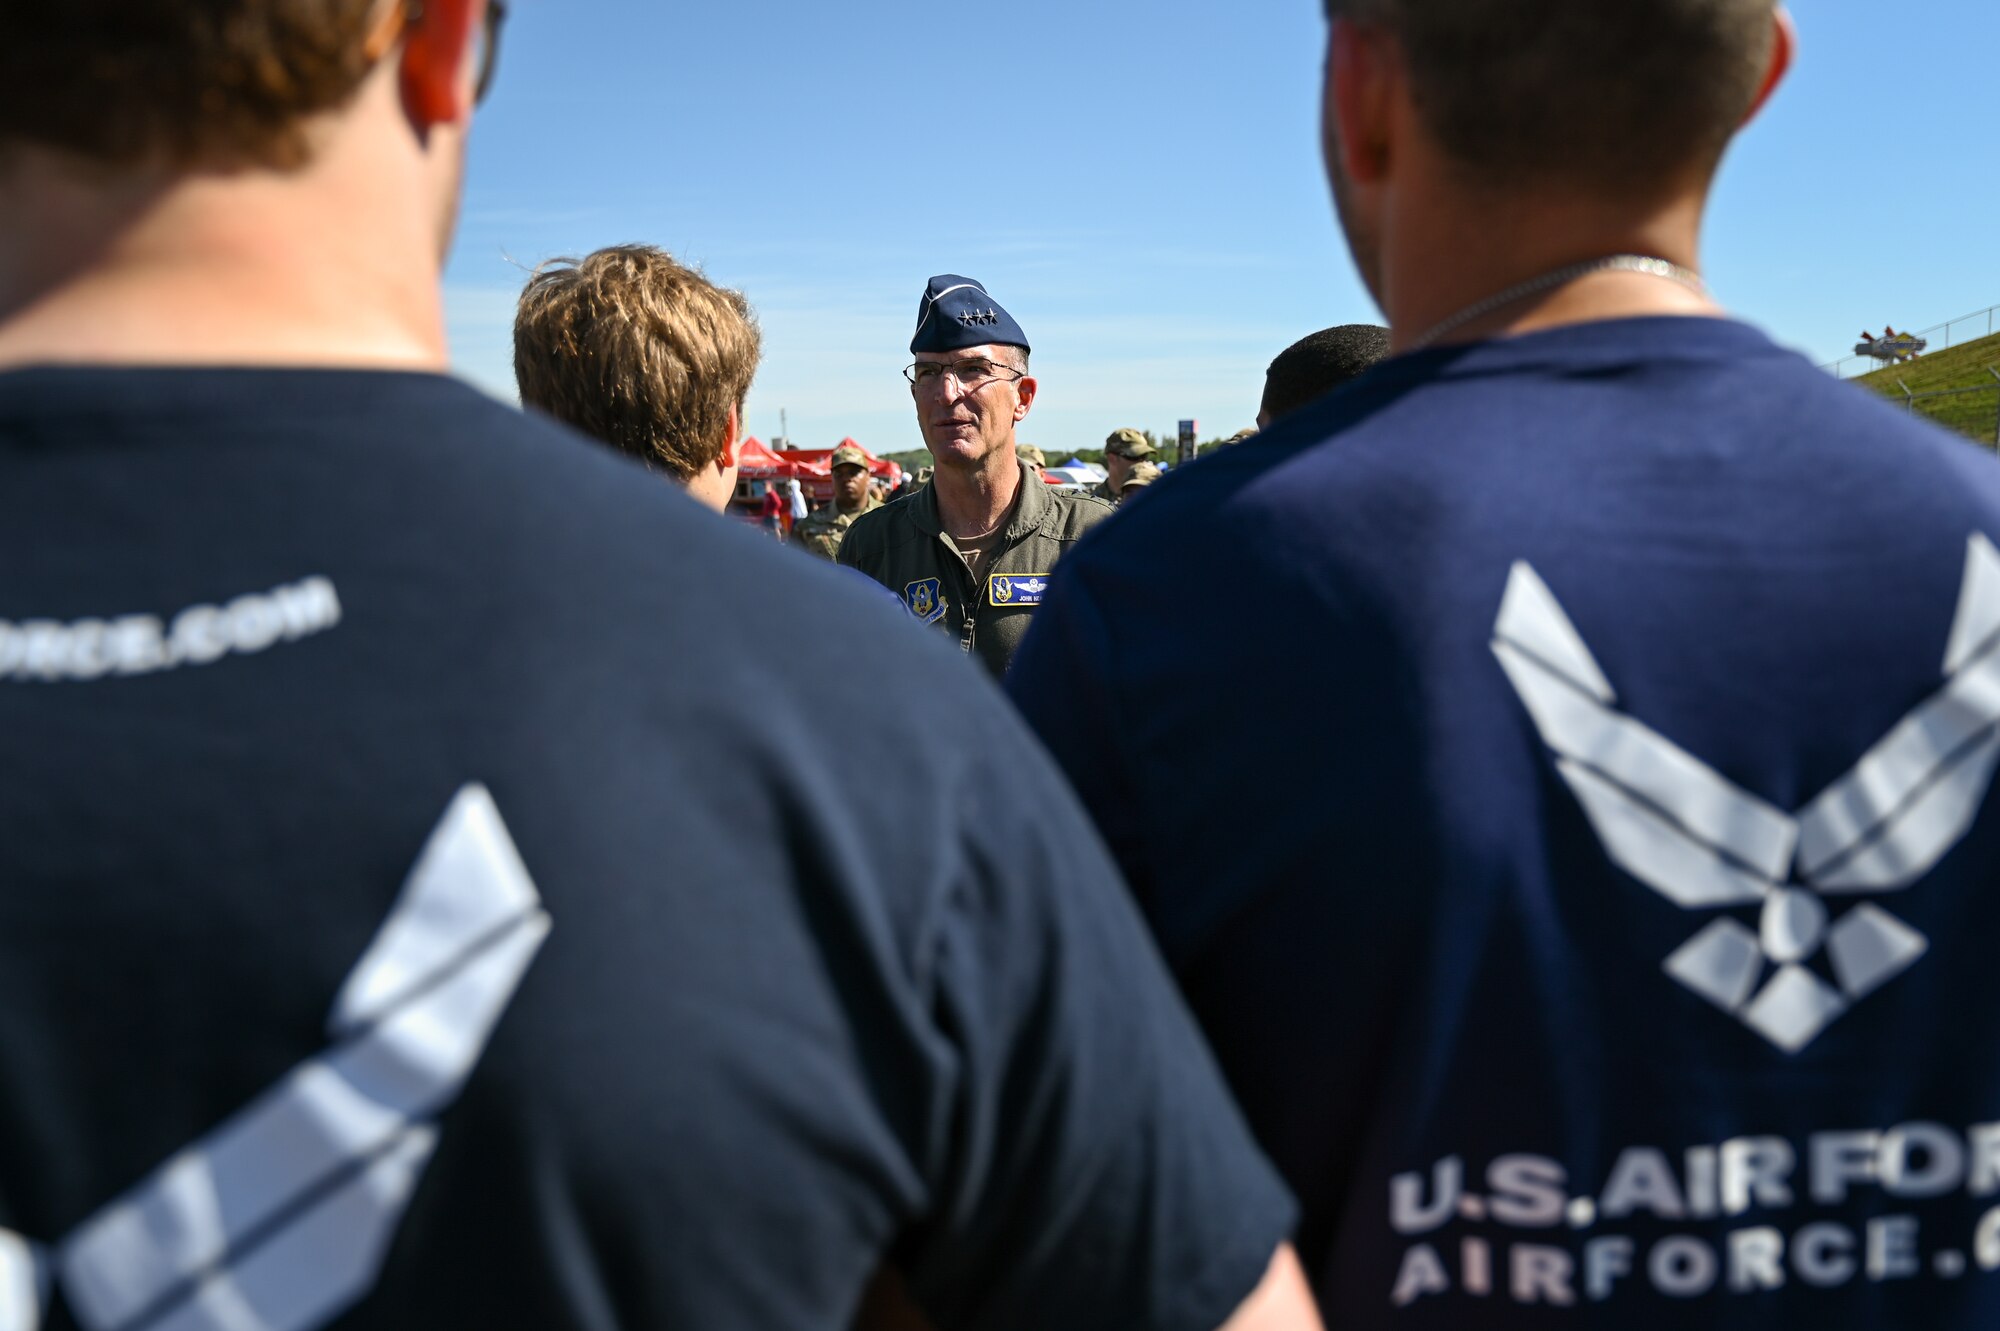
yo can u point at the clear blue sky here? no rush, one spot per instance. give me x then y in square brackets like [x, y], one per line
[1139, 183]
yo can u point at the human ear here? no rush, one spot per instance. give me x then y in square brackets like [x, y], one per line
[1024, 393]
[437, 73]
[1784, 48]
[732, 441]
[1361, 72]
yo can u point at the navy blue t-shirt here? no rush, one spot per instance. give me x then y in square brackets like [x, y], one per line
[1581, 858]
[447, 879]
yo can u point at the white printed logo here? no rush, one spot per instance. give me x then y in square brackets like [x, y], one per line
[50, 651]
[1703, 843]
[280, 1219]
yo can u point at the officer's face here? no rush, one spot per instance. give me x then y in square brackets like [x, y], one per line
[966, 423]
[850, 486]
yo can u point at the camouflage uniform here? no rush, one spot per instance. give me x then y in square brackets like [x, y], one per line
[1143, 474]
[823, 532]
[904, 547]
[1131, 444]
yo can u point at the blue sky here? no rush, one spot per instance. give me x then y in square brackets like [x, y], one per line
[1139, 183]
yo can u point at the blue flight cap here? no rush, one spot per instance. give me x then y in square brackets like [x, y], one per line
[957, 313]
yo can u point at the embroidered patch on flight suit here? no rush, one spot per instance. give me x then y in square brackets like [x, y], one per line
[925, 599]
[1011, 589]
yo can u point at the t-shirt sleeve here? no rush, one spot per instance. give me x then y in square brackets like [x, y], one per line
[1095, 1173]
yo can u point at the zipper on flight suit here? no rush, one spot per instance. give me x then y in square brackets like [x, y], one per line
[969, 627]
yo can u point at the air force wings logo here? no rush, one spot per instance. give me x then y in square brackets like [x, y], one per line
[1704, 844]
[281, 1218]
[925, 599]
[1007, 590]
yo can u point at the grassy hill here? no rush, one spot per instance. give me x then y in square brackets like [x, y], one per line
[1976, 415]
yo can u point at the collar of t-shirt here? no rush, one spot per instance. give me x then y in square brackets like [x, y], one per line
[1582, 347]
[978, 550]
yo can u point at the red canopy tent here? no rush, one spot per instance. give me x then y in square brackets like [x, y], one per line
[757, 462]
[814, 468]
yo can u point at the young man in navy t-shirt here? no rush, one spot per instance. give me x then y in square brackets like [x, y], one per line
[427, 897]
[1588, 721]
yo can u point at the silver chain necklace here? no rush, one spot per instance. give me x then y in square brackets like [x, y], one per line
[1562, 277]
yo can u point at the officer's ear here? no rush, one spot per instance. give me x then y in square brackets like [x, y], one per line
[1024, 392]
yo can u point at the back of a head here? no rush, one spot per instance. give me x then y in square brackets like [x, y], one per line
[638, 350]
[1314, 366]
[1626, 95]
[129, 81]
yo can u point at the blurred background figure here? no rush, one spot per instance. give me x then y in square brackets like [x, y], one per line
[1034, 457]
[640, 351]
[1142, 475]
[775, 511]
[853, 495]
[1123, 450]
[1314, 366]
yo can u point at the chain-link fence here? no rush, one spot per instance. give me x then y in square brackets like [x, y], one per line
[1973, 412]
[1941, 337]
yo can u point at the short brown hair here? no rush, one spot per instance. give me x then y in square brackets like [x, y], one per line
[215, 83]
[638, 350]
[1617, 93]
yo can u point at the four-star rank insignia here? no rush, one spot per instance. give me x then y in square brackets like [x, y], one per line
[1008, 589]
[925, 599]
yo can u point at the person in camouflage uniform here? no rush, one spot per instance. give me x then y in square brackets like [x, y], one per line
[823, 532]
[1142, 475]
[1124, 450]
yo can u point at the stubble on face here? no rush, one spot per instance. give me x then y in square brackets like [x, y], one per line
[964, 429]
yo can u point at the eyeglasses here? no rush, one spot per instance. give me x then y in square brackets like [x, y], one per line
[489, 48]
[972, 375]
[407, 13]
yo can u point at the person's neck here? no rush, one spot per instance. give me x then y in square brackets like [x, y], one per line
[317, 268]
[974, 501]
[1448, 254]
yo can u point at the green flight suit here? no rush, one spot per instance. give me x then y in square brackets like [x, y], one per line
[903, 546]
[823, 532]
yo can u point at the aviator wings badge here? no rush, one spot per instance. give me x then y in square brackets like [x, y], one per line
[1703, 843]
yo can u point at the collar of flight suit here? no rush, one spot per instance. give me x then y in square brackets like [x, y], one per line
[1037, 505]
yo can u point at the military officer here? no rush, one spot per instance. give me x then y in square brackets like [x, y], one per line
[1124, 450]
[972, 551]
[823, 532]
